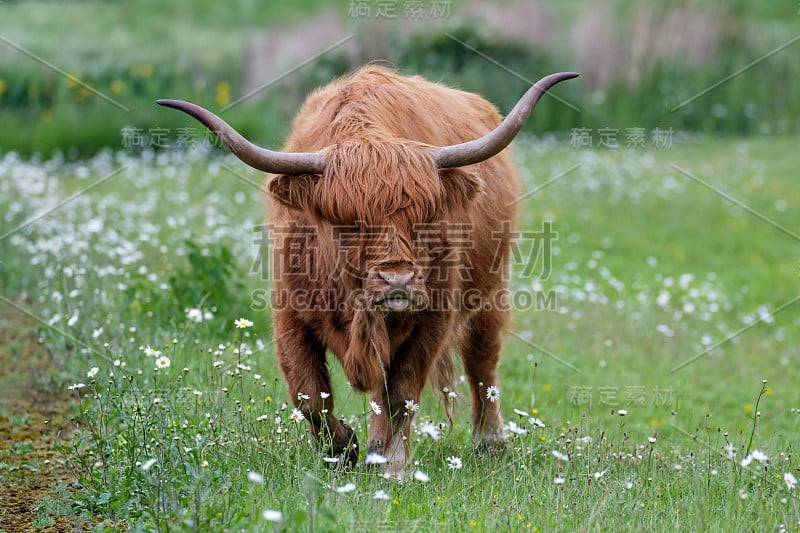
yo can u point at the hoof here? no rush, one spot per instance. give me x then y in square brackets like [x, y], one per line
[346, 447]
[492, 446]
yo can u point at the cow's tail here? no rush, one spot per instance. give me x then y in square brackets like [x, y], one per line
[444, 380]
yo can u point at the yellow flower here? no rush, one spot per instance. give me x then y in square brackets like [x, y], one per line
[143, 71]
[547, 387]
[72, 81]
[223, 93]
[3, 85]
[748, 408]
[83, 92]
[116, 86]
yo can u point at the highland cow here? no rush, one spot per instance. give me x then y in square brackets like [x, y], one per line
[395, 203]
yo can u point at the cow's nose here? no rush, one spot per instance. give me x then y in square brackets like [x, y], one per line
[397, 280]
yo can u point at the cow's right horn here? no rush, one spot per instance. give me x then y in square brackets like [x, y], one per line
[294, 163]
[492, 143]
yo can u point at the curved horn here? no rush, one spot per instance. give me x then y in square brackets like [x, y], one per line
[259, 158]
[478, 150]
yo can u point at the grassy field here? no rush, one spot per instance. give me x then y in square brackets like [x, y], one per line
[655, 387]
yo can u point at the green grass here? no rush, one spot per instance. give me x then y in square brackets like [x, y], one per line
[651, 270]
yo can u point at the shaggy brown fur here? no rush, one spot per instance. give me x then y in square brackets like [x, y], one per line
[383, 209]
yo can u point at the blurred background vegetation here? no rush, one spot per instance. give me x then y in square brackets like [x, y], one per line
[79, 76]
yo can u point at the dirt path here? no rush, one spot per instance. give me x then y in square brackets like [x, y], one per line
[34, 493]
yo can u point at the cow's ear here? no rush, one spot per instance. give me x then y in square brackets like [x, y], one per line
[460, 188]
[296, 192]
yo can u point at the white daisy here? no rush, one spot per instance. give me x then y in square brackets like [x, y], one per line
[454, 463]
[255, 477]
[429, 429]
[421, 476]
[348, 487]
[492, 393]
[412, 406]
[375, 459]
[242, 323]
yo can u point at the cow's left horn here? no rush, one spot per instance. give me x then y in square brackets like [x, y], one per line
[472, 152]
[259, 158]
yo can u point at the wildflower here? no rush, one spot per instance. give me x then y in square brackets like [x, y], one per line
[535, 422]
[156, 401]
[96, 333]
[375, 408]
[454, 463]
[790, 480]
[92, 372]
[421, 476]
[730, 450]
[324, 395]
[204, 464]
[272, 516]
[598, 475]
[151, 352]
[217, 364]
[559, 480]
[197, 392]
[330, 460]
[411, 406]
[429, 429]
[651, 440]
[301, 396]
[492, 393]
[194, 315]
[515, 429]
[348, 487]
[560, 456]
[381, 495]
[242, 323]
[296, 415]
[759, 456]
[520, 412]
[76, 386]
[117, 363]
[148, 464]
[255, 477]
[162, 362]
[622, 412]
[375, 459]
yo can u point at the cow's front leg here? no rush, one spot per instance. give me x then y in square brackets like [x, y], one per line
[390, 432]
[302, 360]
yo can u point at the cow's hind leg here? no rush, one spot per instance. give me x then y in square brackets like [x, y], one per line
[302, 360]
[480, 351]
